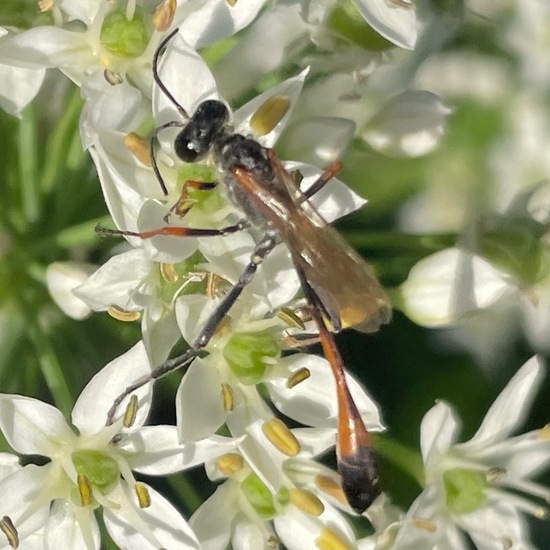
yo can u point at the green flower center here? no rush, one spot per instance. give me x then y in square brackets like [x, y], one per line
[122, 36]
[260, 497]
[346, 21]
[100, 470]
[178, 281]
[464, 489]
[247, 355]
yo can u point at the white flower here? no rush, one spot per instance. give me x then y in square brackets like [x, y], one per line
[119, 41]
[94, 467]
[271, 496]
[244, 354]
[480, 487]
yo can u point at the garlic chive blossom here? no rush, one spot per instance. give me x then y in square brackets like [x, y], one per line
[92, 469]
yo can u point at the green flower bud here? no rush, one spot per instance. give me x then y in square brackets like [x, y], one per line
[124, 37]
[246, 354]
[100, 470]
[346, 21]
[258, 495]
[465, 490]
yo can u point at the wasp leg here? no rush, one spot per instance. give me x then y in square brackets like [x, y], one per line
[262, 249]
[176, 231]
[183, 204]
[323, 179]
[355, 453]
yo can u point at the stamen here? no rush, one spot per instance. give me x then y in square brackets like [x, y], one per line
[139, 147]
[297, 377]
[329, 540]
[130, 9]
[112, 77]
[227, 397]
[45, 5]
[307, 502]
[8, 528]
[230, 463]
[523, 504]
[164, 14]
[130, 412]
[273, 541]
[231, 2]
[168, 272]
[331, 487]
[142, 493]
[212, 284]
[290, 318]
[121, 315]
[269, 114]
[84, 490]
[544, 432]
[281, 437]
[424, 524]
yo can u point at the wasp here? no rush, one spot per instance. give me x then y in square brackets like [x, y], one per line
[341, 289]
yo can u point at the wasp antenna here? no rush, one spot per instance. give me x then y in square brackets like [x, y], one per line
[157, 78]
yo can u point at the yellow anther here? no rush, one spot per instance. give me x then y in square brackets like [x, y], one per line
[230, 463]
[139, 147]
[142, 493]
[8, 528]
[84, 490]
[290, 318]
[281, 437]
[273, 541]
[542, 513]
[306, 501]
[164, 14]
[329, 540]
[45, 5]
[227, 397]
[544, 432]
[168, 272]
[231, 2]
[331, 487]
[212, 285]
[297, 376]
[112, 77]
[269, 114]
[122, 315]
[130, 412]
[424, 524]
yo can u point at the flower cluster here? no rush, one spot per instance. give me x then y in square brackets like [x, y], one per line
[254, 406]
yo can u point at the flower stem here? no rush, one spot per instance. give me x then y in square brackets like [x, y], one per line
[406, 459]
[30, 191]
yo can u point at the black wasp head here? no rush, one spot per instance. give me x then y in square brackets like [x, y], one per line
[204, 127]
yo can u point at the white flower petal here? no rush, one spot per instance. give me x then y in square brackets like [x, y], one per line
[71, 526]
[247, 535]
[31, 426]
[18, 87]
[313, 401]
[192, 313]
[129, 526]
[21, 492]
[118, 282]
[212, 521]
[448, 284]
[396, 23]
[510, 407]
[156, 450]
[410, 124]
[159, 335]
[214, 20]
[199, 405]
[438, 431]
[8, 465]
[90, 411]
[61, 279]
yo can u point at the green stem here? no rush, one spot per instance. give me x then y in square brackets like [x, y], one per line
[60, 140]
[406, 459]
[51, 370]
[185, 491]
[30, 191]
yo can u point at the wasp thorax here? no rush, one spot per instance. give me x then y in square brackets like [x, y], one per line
[206, 125]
